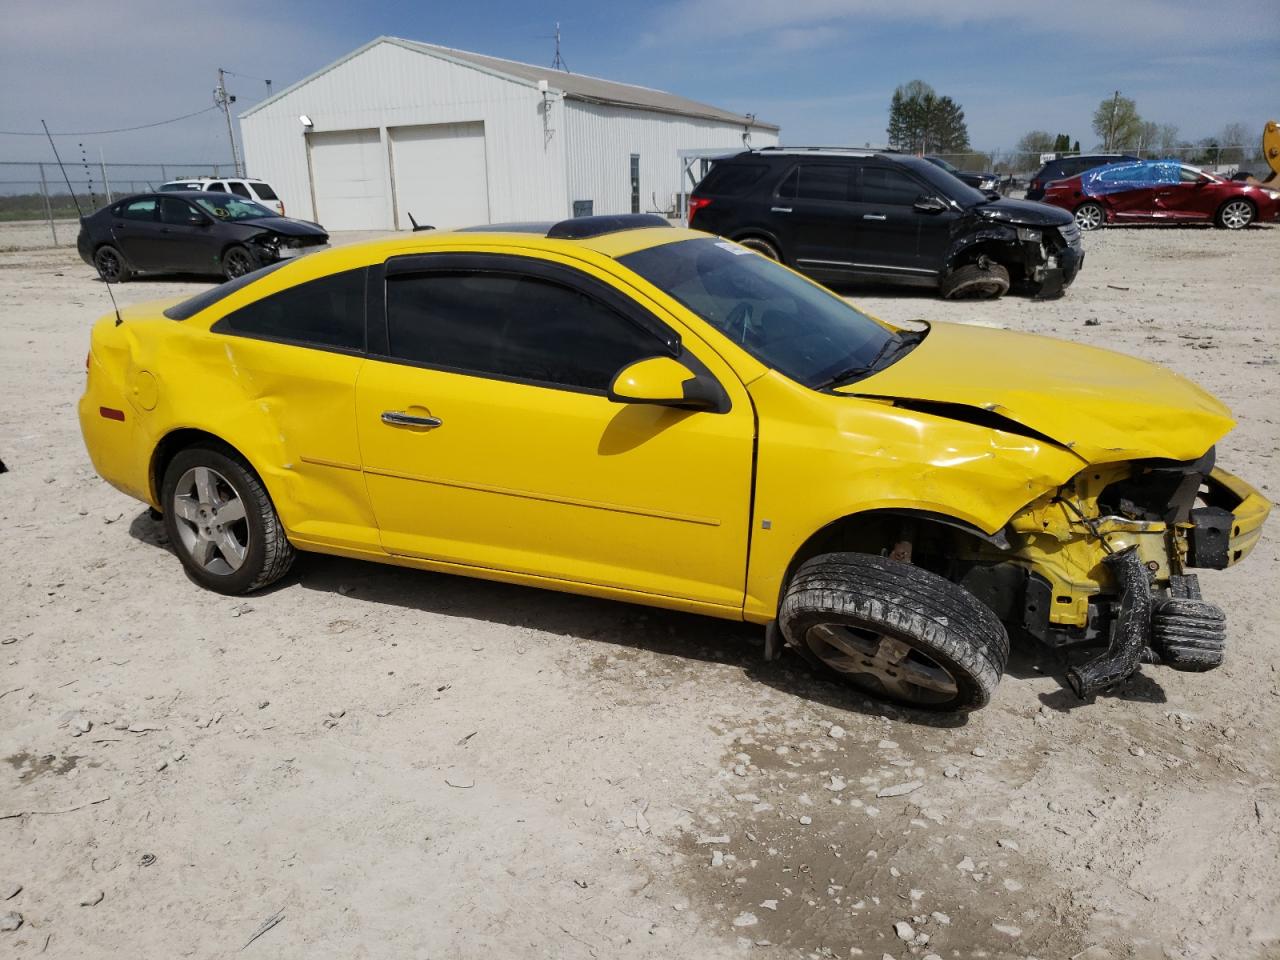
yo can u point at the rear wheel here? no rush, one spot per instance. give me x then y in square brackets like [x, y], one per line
[894, 631]
[1235, 214]
[1090, 216]
[984, 280]
[222, 523]
[761, 246]
[110, 264]
[237, 261]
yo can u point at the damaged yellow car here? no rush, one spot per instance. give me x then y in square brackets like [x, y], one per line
[614, 407]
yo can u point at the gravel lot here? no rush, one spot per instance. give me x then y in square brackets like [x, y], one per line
[397, 764]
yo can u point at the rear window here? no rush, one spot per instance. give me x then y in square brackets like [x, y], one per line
[193, 305]
[731, 179]
[263, 191]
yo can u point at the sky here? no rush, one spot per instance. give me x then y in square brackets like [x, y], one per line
[822, 69]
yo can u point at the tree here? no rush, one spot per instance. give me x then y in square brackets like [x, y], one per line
[1036, 142]
[1061, 143]
[1167, 139]
[1236, 143]
[1075, 147]
[1117, 122]
[1148, 133]
[920, 120]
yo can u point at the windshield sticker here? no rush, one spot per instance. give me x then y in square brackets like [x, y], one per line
[733, 248]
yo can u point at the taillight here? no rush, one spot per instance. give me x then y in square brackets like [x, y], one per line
[1035, 184]
[281, 206]
[696, 204]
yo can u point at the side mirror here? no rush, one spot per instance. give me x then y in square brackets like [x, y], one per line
[198, 220]
[927, 204]
[666, 382]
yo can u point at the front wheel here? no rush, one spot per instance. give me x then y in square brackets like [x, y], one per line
[237, 261]
[1235, 214]
[895, 631]
[985, 280]
[222, 523]
[1090, 216]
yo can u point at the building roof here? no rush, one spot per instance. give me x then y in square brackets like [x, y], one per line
[573, 86]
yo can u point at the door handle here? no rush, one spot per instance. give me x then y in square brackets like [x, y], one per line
[874, 216]
[397, 419]
[780, 209]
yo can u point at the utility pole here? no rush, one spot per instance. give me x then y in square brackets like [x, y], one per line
[224, 100]
[1111, 127]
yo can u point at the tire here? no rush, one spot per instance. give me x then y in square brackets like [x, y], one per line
[111, 265]
[974, 281]
[1235, 215]
[237, 261]
[248, 549]
[760, 246]
[1090, 216]
[895, 631]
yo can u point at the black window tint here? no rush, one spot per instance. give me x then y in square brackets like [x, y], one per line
[140, 209]
[508, 325]
[207, 298]
[731, 179]
[173, 210]
[240, 190]
[327, 312]
[888, 186]
[787, 191]
[824, 182]
[217, 187]
[264, 192]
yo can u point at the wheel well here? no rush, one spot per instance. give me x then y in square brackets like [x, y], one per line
[174, 443]
[937, 540]
[1003, 252]
[1248, 200]
[759, 235]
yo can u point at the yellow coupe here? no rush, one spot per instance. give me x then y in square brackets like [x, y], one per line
[615, 407]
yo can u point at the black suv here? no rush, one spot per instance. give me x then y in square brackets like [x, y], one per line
[840, 215]
[1066, 167]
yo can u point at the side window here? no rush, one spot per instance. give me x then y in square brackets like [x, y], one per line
[173, 210]
[328, 312]
[240, 190]
[824, 182]
[890, 187]
[140, 209]
[512, 326]
[217, 187]
[1187, 175]
[788, 187]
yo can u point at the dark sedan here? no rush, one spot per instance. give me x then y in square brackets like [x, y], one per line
[190, 232]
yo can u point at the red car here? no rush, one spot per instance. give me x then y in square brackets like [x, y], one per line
[1161, 190]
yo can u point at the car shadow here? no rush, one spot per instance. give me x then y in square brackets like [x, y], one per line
[619, 625]
[1029, 658]
[168, 278]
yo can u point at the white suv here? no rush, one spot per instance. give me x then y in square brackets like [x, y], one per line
[256, 190]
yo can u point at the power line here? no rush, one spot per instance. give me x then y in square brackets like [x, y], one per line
[94, 133]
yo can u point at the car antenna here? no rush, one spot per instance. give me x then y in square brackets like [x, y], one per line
[416, 226]
[76, 200]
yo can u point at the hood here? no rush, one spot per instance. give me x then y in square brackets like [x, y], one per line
[288, 227]
[1104, 406]
[1026, 212]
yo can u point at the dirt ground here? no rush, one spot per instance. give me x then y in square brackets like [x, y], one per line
[370, 762]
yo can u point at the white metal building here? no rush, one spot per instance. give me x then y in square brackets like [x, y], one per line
[457, 138]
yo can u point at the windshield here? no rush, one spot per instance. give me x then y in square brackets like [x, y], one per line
[226, 206]
[945, 183]
[786, 322]
[943, 164]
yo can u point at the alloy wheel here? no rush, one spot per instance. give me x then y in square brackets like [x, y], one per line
[882, 664]
[1089, 217]
[237, 263]
[211, 520]
[108, 265]
[1237, 214]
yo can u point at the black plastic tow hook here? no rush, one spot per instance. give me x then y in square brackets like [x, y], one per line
[1132, 628]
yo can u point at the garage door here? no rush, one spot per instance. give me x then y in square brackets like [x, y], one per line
[439, 174]
[348, 180]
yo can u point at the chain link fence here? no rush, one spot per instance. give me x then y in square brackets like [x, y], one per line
[38, 191]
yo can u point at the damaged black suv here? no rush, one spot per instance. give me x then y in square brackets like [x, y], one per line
[842, 215]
